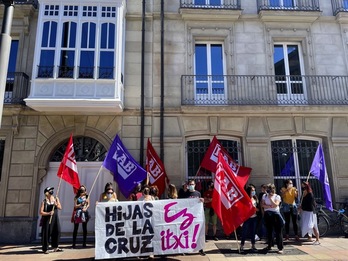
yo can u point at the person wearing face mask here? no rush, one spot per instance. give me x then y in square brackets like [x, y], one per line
[273, 219]
[81, 204]
[109, 194]
[250, 225]
[309, 224]
[192, 193]
[50, 221]
[209, 213]
[289, 195]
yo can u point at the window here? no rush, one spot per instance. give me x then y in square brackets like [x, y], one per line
[345, 4]
[85, 148]
[11, 71]
[86, 69]
[208, 2]
[209, 72]
[48, 44]
[67, 54]
[85, 45]
[106, 64]
[2, 152]
[282, 3]
[196, 150]
[292, 159]
[288, 71]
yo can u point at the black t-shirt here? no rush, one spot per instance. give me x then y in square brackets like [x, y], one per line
[308, 203]
[182, 193]
[193, 194]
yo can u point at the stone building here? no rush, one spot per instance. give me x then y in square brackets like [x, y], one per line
[268, 78]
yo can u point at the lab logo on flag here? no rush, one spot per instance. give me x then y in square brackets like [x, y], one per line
[228, 190]
[127, 167]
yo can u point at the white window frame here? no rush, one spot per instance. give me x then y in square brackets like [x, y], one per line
[210, 97]
[283, 98]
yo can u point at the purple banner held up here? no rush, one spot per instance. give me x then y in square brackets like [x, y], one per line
[127, 172]
[318, 169]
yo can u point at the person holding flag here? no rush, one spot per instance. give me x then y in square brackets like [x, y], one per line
[50, 221]
[309, 223]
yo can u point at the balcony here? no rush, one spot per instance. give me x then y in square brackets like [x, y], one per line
[210, 10]
[301, 90]
[76, 89]
[340, 10]
[289, 10]
[17, 88]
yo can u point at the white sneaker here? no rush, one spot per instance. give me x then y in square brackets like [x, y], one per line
[257, 237]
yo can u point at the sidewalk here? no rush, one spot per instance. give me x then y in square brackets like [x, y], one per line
[331, 248]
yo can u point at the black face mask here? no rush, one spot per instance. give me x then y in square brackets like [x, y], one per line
[268, 191]
[50, 192]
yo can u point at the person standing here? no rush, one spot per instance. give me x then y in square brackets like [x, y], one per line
[172, 192]
[210, 215]
[250, 224]
[183, 191]
[192, 193]
[309, 223]
[109, 194]
[81, 204]
[273, 220]
[50, 221]
[289, 195]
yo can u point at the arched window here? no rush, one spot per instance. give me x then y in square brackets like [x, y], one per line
[86, 149]
[196, 150]
[292, 159]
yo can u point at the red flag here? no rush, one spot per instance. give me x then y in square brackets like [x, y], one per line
[155, 168]
[230, 201]
[68, 168]
[210, 161]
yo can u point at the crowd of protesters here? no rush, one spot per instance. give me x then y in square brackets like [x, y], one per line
[273, 212]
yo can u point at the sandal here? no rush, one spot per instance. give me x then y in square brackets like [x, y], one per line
[58, 250]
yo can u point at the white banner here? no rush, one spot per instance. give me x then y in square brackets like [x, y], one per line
[143, 228]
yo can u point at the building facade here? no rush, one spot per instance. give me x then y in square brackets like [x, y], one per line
[268, 78]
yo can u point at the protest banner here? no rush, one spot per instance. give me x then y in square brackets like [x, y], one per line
[143, 228]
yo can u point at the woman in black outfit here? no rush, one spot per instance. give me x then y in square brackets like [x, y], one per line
[50, 221]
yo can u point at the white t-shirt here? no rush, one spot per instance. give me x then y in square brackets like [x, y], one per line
[267, 201]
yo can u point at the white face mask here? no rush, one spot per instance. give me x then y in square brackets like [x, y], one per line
[109, 195]
[192, 187]
[290, 185]
[253, 193]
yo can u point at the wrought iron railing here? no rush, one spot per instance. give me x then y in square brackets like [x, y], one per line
[289, 5]
[26, 2]
[106, 72]
[17, 88]
[339, 6]
[66, 72]
[264, 90]
[211, 4]
[86, 72]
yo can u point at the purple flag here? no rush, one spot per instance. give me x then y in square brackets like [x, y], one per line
[289, 169]
[318, 169]
[127, 172]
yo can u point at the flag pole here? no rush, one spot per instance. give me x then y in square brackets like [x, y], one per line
[235, 234]
[198, 171]
[54, 206]
[95, 179]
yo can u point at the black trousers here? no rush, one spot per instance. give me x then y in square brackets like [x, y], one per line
[274, 224]
[84, 231]
[50, 232]
[290, 215]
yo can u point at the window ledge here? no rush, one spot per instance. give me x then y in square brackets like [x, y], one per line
[289, 16]
[342, 17]
[79, 106]
[210, 14]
